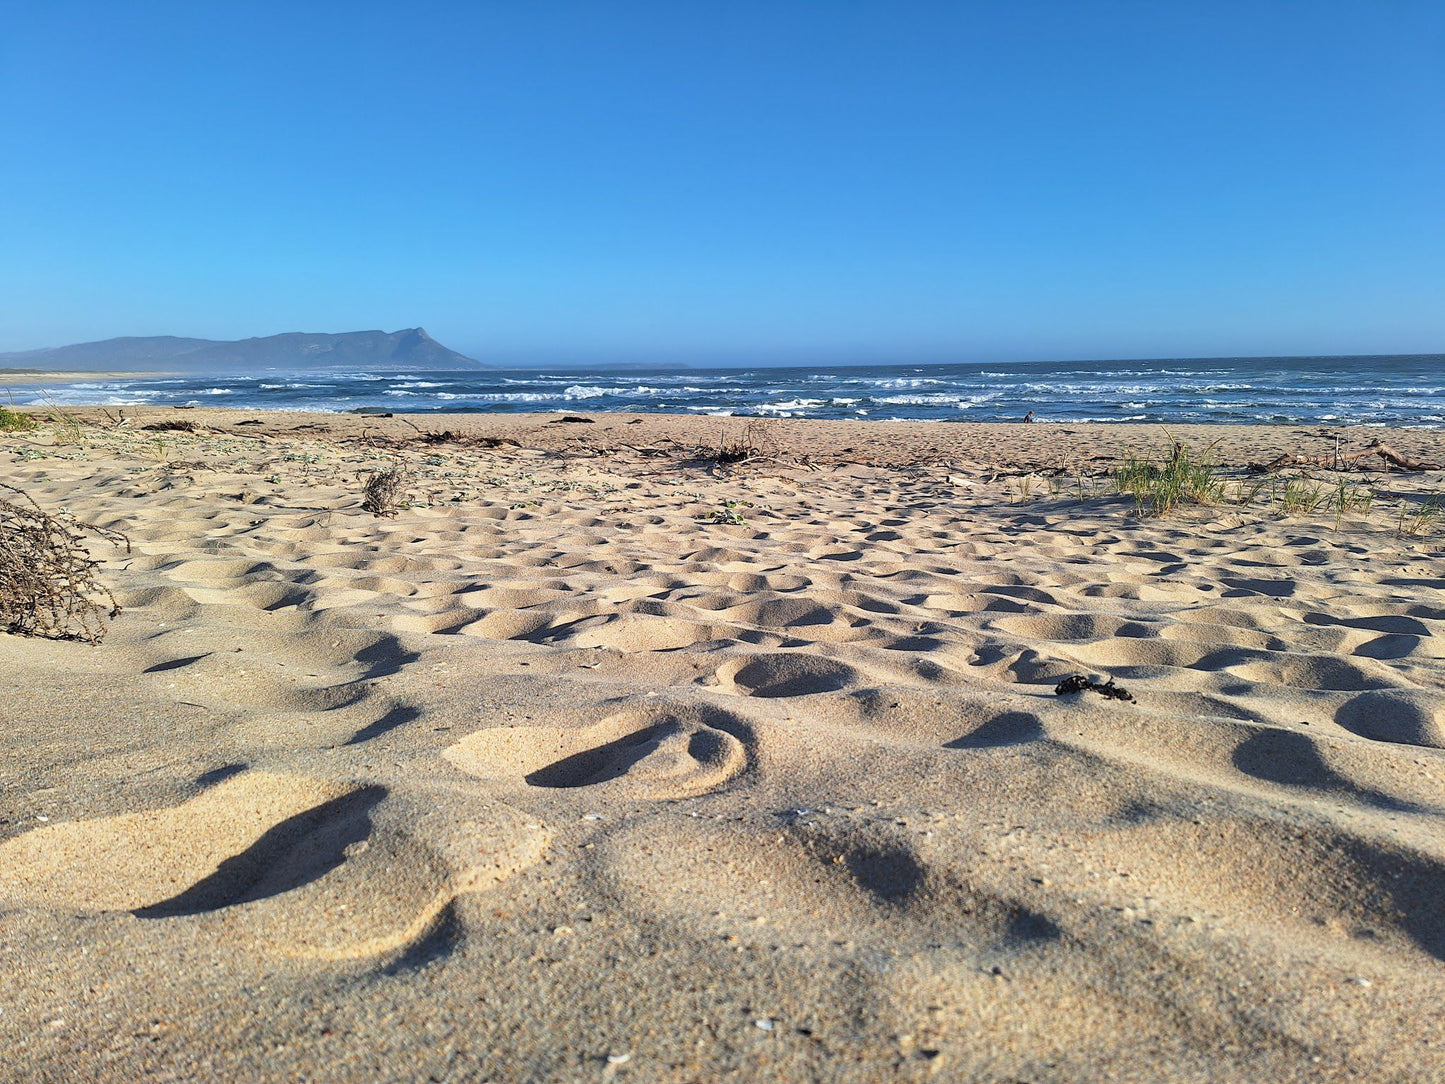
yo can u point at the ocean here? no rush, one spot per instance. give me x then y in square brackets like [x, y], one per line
[1397, 391]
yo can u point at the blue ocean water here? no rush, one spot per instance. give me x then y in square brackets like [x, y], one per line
[1377, 391]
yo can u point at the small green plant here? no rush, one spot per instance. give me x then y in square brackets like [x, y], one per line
[66, 429]
[1300, 497]
[1021, 488]
[12, 421]
[728, 512]
[1086, 486]
[1349, 497]
[1160, 489]
[1420, 517]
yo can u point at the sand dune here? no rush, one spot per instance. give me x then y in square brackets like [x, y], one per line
[753, 774]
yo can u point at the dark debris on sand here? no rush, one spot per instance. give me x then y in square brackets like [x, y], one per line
[1077, 683]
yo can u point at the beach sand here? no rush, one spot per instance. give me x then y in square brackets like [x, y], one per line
[602, 761]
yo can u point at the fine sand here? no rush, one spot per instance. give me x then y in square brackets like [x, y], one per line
[602, 761]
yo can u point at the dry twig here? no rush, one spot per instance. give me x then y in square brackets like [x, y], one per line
[47, 576]
[1339, 461]
[384, 489]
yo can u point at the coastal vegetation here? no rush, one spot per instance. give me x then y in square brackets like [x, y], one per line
[1185, 478]
[12, 421]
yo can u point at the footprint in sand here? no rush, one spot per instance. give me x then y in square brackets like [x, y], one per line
[1403, 716]
[865, 881]
[781, 675]
[283, 864]
[651, 752]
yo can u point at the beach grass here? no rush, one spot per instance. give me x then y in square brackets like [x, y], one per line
[13, 421]
[1159, 489]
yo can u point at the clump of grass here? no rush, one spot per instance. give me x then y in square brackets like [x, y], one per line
[66, 427]
[47, 576]
[1159, 489]
[384, 490]
[1421, 517]
[12, 421]
[1022, 488]
[1301, 496]
[1351, 497]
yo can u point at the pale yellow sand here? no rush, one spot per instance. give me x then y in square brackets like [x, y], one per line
[742, 774]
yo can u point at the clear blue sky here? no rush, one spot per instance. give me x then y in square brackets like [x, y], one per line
[537, 180]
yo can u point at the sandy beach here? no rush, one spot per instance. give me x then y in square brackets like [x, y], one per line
[604, 760]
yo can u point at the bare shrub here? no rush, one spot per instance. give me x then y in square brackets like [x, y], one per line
[738, 448]
[47, 576]
[384, 489]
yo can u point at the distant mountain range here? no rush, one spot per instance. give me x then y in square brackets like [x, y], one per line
[409, 349]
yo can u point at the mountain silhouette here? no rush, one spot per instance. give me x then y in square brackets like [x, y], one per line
[411, 348]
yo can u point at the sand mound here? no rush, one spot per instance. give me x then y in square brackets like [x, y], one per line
[558, 763]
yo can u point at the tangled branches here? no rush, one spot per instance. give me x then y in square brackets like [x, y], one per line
[47, 577]
[384, 489]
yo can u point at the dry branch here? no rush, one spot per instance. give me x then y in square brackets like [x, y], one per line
[47, 576]
[171, 427]
[1346, 460]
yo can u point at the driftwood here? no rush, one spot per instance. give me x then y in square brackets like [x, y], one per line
[1338, 460]
[167, 427]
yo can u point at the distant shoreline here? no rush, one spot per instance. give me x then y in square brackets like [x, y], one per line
[72, 376]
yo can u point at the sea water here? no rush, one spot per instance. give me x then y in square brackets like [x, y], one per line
[1377, 391]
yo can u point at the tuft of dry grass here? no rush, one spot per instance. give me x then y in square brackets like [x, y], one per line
[737, 448]
[47, 576]
[384, 489]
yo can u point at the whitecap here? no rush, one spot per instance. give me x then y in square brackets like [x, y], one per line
[586, 391]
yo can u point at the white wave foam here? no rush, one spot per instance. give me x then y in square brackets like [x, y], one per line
[584, 391]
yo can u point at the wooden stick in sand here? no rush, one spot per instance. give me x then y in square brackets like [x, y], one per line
[1338, 460]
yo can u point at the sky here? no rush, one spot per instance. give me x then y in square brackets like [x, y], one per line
[537, 182]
